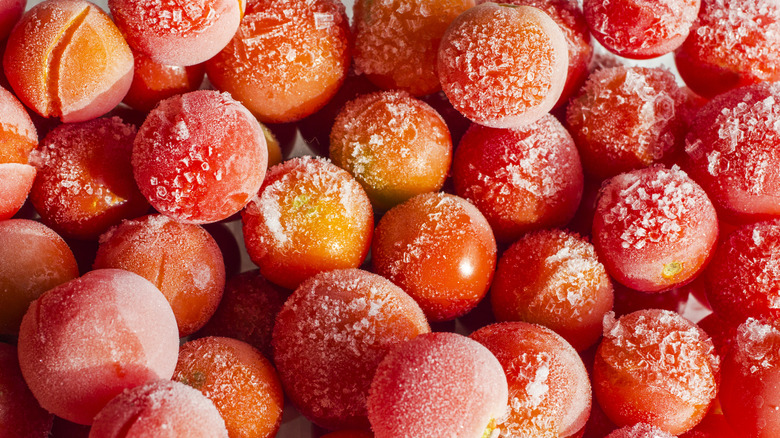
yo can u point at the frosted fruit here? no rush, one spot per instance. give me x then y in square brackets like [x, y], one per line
[395, 146]
[330, 336]
[309, 216]
[654, 228]
[438, 384]
[548, 385]
[199, 157]
[181, 33]
[627, 118]
[731, 44]
[396, 43]
[742, 278]
[287, 59]
[521, 179]
[85, 180]
[182, 260]
[15, 185]
[732, 150]
[67, 59]
[656, 367]
[18, 137]
[160, 409]
[553, 278]
[641, 28]
[33, 259]
[751, 372]
[85, 341]
[568, 15]
[241, 383]
[438, 248]
[503, 66]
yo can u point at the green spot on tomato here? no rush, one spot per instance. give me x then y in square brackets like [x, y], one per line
[671, 269]
[196, 379]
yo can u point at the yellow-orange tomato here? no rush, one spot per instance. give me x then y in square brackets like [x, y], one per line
[395, 146]
[240, 381]
[310, 216]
